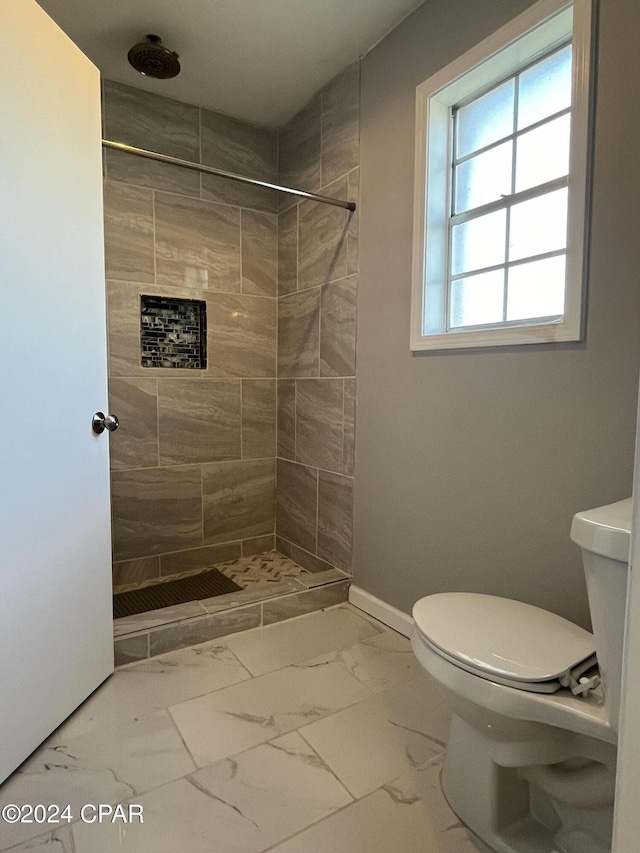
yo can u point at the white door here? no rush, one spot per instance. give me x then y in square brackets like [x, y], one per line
[55, 579]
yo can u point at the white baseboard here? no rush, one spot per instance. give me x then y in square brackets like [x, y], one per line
[386, 613]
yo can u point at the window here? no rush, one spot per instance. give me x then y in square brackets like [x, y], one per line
[501, 175]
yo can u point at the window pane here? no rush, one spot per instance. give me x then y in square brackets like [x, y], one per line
[478, 243]
[485, 120]
[477, 299]
[538, 225]
[483, 178]
[545, 88]
[536, 289]
[543, 154]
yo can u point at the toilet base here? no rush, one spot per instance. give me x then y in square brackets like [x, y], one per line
[509, 812]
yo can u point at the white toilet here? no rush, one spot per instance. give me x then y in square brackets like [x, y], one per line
[530, 766]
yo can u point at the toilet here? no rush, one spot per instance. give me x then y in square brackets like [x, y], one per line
[531, 760]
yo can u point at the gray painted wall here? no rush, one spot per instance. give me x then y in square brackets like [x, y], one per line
[470, 465]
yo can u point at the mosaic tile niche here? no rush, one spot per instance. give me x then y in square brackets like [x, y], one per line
[173, 333]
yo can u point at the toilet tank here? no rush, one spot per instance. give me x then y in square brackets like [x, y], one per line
[604, 536]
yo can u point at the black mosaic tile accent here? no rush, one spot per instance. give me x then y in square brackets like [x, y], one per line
[173, 332]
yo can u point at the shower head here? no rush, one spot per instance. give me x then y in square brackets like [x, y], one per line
[153, 60]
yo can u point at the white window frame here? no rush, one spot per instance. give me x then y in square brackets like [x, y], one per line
[545, 25]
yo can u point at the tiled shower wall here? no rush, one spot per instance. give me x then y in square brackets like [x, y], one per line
[193, 463]
[317, 284]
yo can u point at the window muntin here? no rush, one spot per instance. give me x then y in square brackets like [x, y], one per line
[509, 198]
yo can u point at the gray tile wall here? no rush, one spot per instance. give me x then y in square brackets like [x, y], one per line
[193, 463]
[194, 470]
[317, 285]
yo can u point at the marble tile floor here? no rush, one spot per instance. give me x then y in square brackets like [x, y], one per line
[311, 735]
[273, 588]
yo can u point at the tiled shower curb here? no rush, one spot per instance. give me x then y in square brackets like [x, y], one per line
[177, 634]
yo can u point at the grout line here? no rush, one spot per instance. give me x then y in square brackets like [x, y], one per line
[155, 253]
[175, 465]
[319, 327]
[202, 507]
[297, 248]
[316, 468]
[157, 380]
[317, 509]
[343, 398]
[183, 741]
[324, 761]
[241, 224]
[295, 421]
[241, 419]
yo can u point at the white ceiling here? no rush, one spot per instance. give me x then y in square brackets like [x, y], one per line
[258, 60]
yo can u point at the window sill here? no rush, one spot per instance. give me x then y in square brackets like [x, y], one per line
[545, 333]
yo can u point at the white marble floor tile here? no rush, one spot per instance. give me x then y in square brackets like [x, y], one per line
[382, 661]
[246, 803]
[228, 721]
[152, 685]
[58, 841]
[266, 649]
[104, 766]
[409, 814]
[380, 738]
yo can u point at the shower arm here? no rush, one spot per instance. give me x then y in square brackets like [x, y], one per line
[221, 173]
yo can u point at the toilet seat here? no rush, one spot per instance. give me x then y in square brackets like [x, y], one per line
[505, 641]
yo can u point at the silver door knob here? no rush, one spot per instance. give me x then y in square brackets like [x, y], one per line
[100, 422]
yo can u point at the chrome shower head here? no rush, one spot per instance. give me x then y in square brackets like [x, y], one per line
[153, 60]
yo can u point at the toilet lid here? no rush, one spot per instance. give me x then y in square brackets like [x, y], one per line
[500, 638]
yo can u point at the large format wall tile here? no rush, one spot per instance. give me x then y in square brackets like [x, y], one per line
[150, 121]
[237, 146]
[304, 602]
[190, 632]
[135, 444]
[198, 420]
[299, 152]
[131, 169]
[197, 244]
[198, 558]
[128, 232]
[239, 499]
[156, 510]
[241, 336]
[244, 149]
[242, 195]
[319, 423]
[259, 253]
[340, 124]
[299, 334]
[258, 418]
[136, 571]
[335, 519]
[308, 561]
[258, 546]
[288, 251]
[322, 248]
[147, 120]
[287, 418]
[297, 504]
[338, 328]
[123, 322]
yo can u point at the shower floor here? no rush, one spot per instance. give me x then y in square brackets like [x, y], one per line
[272, 588]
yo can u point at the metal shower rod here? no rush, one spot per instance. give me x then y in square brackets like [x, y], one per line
[211, 170]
